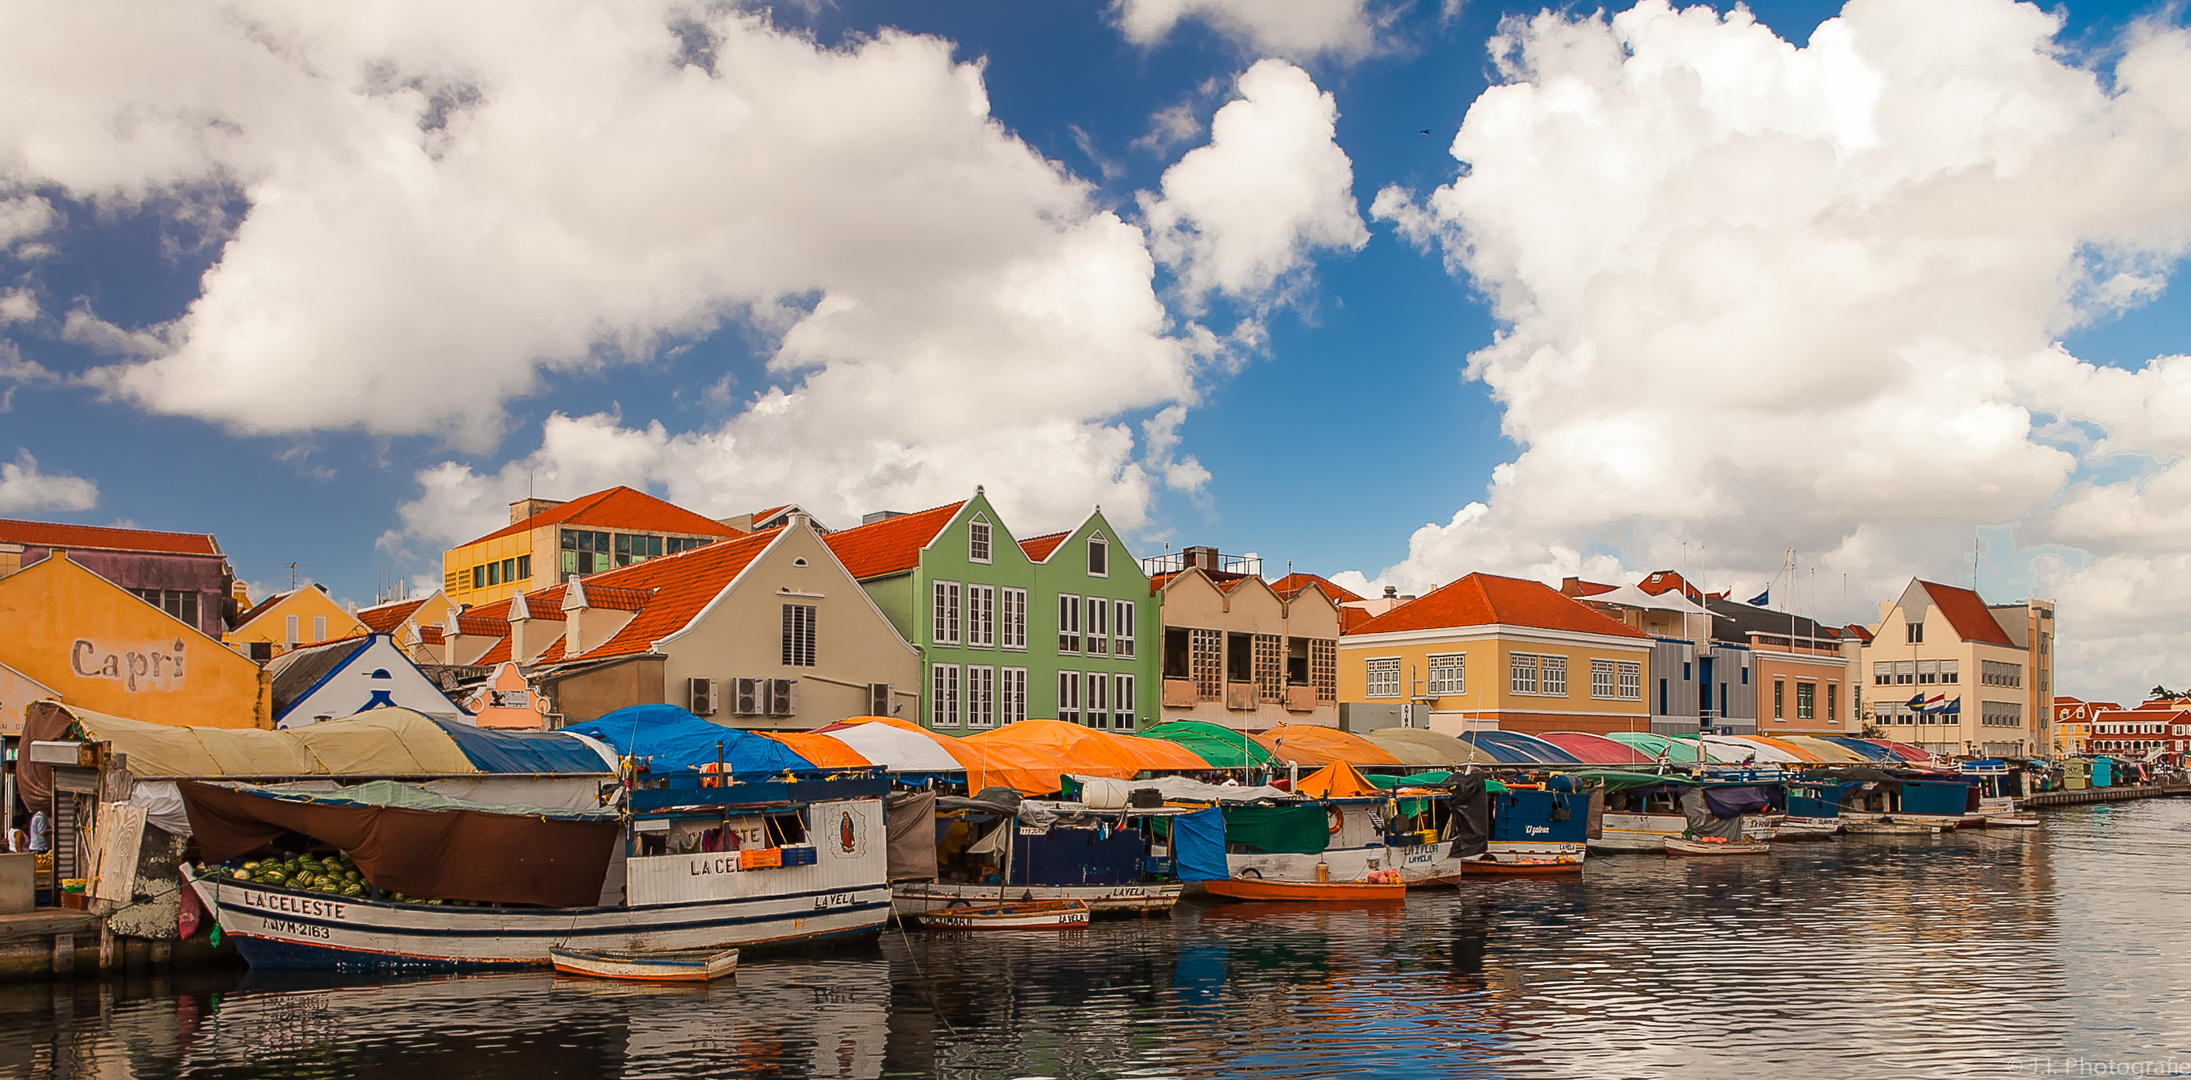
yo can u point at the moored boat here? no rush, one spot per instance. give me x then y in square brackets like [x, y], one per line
[1494, 864]
[647, 965]
[1027, 915]
[1322, 892]
[1887, 826]
[2012, 821]
[1704, 845]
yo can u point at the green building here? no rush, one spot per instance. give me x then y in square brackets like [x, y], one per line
[1060, 626]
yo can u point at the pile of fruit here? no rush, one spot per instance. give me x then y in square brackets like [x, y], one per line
[327, 874]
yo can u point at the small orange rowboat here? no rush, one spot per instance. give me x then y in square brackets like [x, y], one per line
[1328, 892]
[1523, 866]
[1026, 915]
[647, 965]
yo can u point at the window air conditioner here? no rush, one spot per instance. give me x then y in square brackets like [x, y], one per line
[746, 696]
[783, 697]
[878, 699]
[704, 700]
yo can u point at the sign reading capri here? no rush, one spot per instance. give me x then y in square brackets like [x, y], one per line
[138, 666]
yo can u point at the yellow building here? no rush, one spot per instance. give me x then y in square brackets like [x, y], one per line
[1946, 672]
[1489, 652]
[548, 541]
[302, 616]
[105, 648]
[407, 621]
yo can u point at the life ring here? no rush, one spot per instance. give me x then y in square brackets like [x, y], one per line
[1332, 820]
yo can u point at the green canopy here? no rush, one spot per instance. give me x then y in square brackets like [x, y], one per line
[1222, 747]
[1617, 780]
[1421, 779]
[1300, 830]
[1658, 746]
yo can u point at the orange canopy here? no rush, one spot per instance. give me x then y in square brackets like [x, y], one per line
[1023, 769]
[1337, 780]
[823, 751]
[1310, 744]
[1159, 754]
[1801, 753]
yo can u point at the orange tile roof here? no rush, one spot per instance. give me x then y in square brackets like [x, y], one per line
[498, 653]
[892, 545]
[429, 635]
[618, 508]
[1966, 612]
[1483, 599]
[1293, 583]
[677, 586]
[258, 609]
[1039, 548]
[52, 534]
[609, 596]
[474, 622]
[384, 618]
[1352, 619]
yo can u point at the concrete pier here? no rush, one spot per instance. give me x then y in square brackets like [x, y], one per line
[2099, 795]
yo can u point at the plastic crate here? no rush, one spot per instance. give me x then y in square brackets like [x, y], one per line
[801, 855]
[760, 858]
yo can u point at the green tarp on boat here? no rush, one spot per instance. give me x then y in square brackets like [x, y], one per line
[1222, 747]
[1298, 830]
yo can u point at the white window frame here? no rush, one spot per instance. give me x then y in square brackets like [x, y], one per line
[1097, 705]
[1517, 665]
[1604, 680]
[1122, 627]
[1068, 624]
[1013, 603]
[1012, 694]
[319, 627]
[1068, 696]
[981, 616]
[1631, 680]
[981, 696]
[1097, 641]
[1552, 675]
[980, 540]
[1381, 677]
[1449, 677]
[944, 613]
[943, 696]
[1123, 703]
[1096, 543]
[290, 629]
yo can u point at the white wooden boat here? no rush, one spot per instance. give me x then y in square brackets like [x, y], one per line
[1891, 827]
[1028, 915]
[1682, 845]
[1805, 828]
[1648, 832]
[2012, 821]
[1143, 898]
[647, 965]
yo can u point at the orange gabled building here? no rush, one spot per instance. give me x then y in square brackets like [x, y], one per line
[548, 541]
[1489, 652]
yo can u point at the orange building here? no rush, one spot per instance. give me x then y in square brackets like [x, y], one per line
[548, 541]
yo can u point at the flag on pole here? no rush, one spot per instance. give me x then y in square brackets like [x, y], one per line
[1763, 598]
[1917, 701]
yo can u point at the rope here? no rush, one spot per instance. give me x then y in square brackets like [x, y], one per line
[933, 1005]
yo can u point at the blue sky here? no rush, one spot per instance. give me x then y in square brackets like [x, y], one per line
[1327, 447]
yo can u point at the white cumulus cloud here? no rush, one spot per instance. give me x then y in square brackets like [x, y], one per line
[1300, 29]
[23, 489]
[1754, 297]
[1270, 190]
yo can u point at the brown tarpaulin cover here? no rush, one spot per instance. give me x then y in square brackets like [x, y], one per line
[912, 818]
[445, 854]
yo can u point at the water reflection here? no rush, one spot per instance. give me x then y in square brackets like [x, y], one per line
[1971, 953]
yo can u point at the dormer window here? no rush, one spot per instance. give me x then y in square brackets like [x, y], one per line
[977, 541]
[1099, 557]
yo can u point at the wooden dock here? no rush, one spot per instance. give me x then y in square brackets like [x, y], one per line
[2101, 795]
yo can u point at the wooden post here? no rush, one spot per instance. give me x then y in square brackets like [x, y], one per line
[64, 954]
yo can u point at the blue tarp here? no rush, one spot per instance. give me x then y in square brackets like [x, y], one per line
[524, 751]
[1198, 845]
[1541, 817]
[673, 741]
[1870, 750]
[1519, 749]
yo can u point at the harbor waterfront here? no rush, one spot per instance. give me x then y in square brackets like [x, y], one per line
[1974, 952]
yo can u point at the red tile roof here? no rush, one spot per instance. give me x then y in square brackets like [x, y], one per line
[495, 654]
[429, 635]
[619, 508]
[678, 588]
[1966, 612]
[892, 545]
[1293, 583]
[50, 534]
[1039, 548]
[1352, 619]
[1482, 599]
[384, 618]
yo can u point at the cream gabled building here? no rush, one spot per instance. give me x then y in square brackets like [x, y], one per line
[1241, 652]
[1945, 671]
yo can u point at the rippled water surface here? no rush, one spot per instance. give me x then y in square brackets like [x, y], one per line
[2056, 951]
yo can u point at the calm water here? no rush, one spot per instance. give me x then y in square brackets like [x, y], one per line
[1981, 953]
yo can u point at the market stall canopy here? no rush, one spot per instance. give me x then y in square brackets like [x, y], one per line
[1514, 747]
[1422, 746]
[1105, 793]
[1871, 751]
[1596, 749]
[1086, 750]
[1159, 755]
[672, 740]
[1801, 754]
[1658, 747]
[1221, 747]
[1337, 780]
[1022, 768]
[1740, 749]
[893, 744]
[1714, 753]
[1829, 752]
[824, 751]
[1311, 744]
[1631, 596]
[1904, 751]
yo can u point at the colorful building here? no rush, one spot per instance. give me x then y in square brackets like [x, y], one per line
[1488, 652]
[548, 541]
[1942, 672]
[766, 631]
[183, 574]
[108, 649]
[2071, 734]
[1699, 681]
[1059, 626]
[1242, 652]
[305, 615]
[315, 683]
[2159, 728]
[408, 620]
[1804, 673]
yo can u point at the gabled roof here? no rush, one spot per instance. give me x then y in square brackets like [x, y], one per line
[889, 546]
[268, 604]
[384, 618]
[618, 508]
[53, 534]
[1293, 583]
[1966, 612]
[1039, 548]
[678, 587]
[1484, 599]
[301, 670]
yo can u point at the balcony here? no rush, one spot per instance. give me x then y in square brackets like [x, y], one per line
[1300, 699]
[1206, 558]
[1181, 694]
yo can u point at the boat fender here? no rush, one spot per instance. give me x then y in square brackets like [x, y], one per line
[1332, 820]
